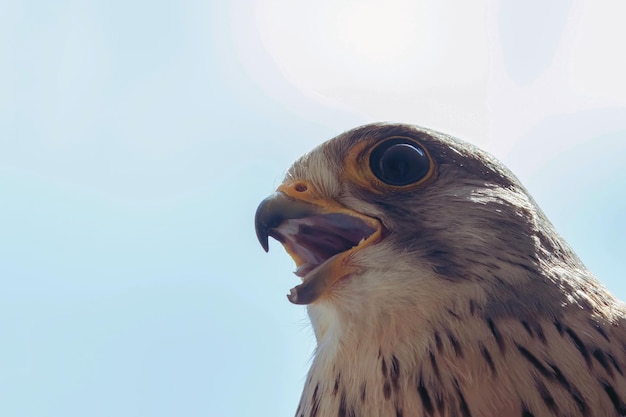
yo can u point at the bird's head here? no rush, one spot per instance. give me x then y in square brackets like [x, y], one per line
[389, 217]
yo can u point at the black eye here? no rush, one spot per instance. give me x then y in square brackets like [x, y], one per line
[399, 162]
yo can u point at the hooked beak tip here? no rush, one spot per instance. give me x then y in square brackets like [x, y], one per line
[265, 243]
[261, 227]
[275, 209]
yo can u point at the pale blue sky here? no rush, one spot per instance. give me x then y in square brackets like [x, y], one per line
[137, 138]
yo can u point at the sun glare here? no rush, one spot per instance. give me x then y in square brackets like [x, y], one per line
[347, 43]
[378, 33]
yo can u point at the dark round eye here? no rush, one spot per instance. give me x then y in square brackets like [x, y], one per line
[399, 162]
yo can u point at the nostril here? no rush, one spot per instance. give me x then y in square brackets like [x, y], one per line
[300, 187]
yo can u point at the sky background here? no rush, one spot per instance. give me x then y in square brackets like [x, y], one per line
[137, 138]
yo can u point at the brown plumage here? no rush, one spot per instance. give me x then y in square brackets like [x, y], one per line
[437, 287]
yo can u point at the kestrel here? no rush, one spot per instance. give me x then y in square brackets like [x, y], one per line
[437, 287]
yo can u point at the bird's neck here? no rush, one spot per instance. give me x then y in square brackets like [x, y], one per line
[387, 365]
[455, 365]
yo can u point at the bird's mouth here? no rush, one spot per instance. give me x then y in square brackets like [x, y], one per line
[311, 241]
[319, 235]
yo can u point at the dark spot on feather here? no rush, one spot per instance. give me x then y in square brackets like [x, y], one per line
[453, 314]
[526, 413]
[343, 410]
[601, 358]
[438, 342]
[315, 401]
[534, 361]
[615, 364]
[439, 402]
[336, 387]
[423, 392]
[383, 368]
[579, 345]
[578, 398]
[472, 306]
[580, 402]
[527, 328]
[465, 412]
[387, 390]
[540, 335]
[398, 412]
[455, 345]
[342, 405]
[618, 404]
[395, 372]
[488, 358]
[433, 363]
[559, 327]
[559, 376]
[496, 334]
[547, 398]
[363, 392]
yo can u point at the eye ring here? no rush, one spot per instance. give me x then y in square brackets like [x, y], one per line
[399, 162]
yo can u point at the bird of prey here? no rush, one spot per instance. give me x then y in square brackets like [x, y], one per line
[437, 287]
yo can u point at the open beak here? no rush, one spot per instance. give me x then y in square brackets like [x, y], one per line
[320, 235]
